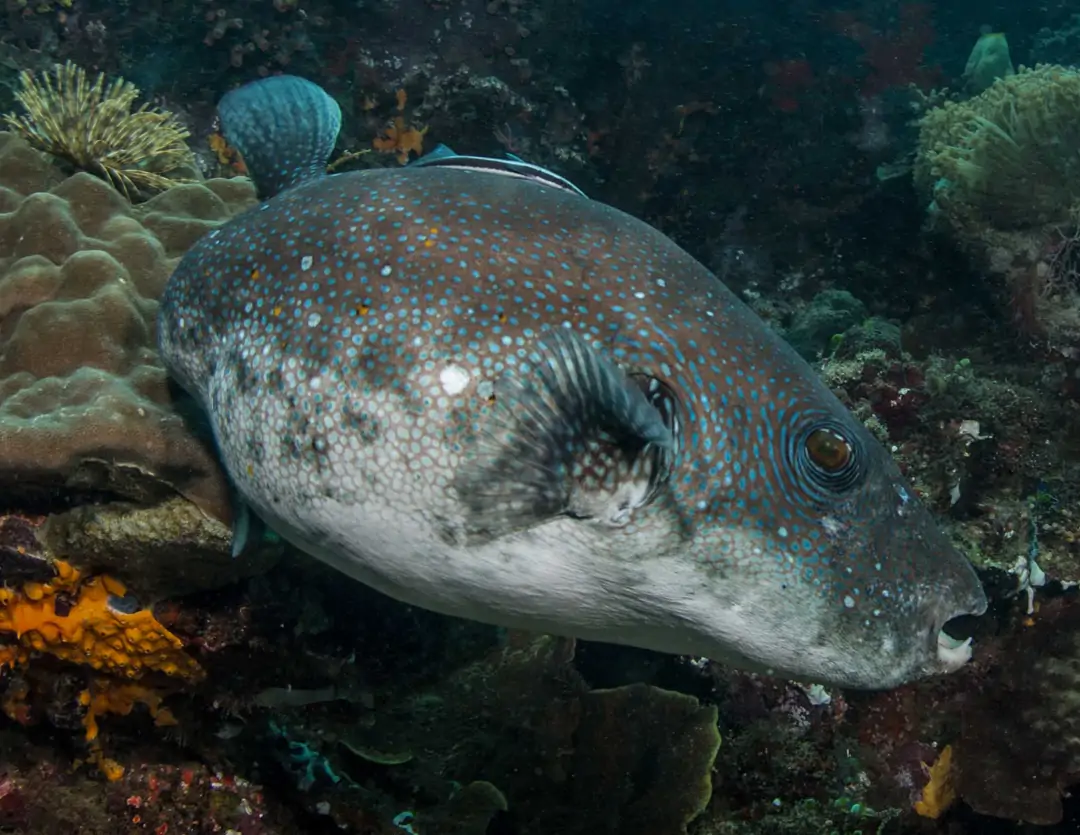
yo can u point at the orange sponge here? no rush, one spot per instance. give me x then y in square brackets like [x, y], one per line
[107, 696]
[400, 139]
[940, 792]
[73, 619]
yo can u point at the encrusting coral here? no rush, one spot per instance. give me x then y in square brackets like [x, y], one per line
[92, 125]
[1006, 157]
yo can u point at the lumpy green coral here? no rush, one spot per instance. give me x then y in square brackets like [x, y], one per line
[1007, 157]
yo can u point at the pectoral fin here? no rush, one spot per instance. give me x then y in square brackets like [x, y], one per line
[570, 435]
[248, 529]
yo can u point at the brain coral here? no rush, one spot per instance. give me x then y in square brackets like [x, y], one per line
[85, 407]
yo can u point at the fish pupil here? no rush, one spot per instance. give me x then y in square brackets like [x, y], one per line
[828, 449]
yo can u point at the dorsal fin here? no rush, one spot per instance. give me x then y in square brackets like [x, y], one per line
[512, 166]
[573, 436]
[285, 127]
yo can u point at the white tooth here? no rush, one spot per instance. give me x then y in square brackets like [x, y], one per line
[952, 654]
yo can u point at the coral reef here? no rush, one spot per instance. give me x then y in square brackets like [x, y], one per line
[766, 142]
[1000, 178]
[191, 551]
[151, 797]
[828, 315]
[84, 403]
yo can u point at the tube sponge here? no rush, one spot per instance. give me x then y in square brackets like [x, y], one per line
[1009, 157]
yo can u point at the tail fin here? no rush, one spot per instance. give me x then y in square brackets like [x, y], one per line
[284, 126]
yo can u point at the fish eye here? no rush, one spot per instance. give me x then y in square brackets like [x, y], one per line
[828, 449]
[828, 459]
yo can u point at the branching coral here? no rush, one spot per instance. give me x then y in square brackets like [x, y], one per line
[87, 621]
[92, 125]
[1008, 157]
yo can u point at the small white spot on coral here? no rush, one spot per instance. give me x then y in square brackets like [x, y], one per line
[313, 319]
[306, 262]
[385, 271]
[454, 379]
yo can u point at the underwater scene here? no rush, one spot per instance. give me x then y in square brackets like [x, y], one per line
[539, 417]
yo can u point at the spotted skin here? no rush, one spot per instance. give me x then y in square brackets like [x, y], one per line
[351, 339]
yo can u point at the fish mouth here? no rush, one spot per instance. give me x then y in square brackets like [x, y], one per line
[950, 653]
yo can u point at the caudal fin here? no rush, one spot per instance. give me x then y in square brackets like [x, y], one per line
[284, 126]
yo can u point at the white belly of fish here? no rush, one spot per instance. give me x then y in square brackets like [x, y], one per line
[548, 580]
[371, 513]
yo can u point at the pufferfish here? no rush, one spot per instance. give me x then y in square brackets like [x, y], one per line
[471, 387]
